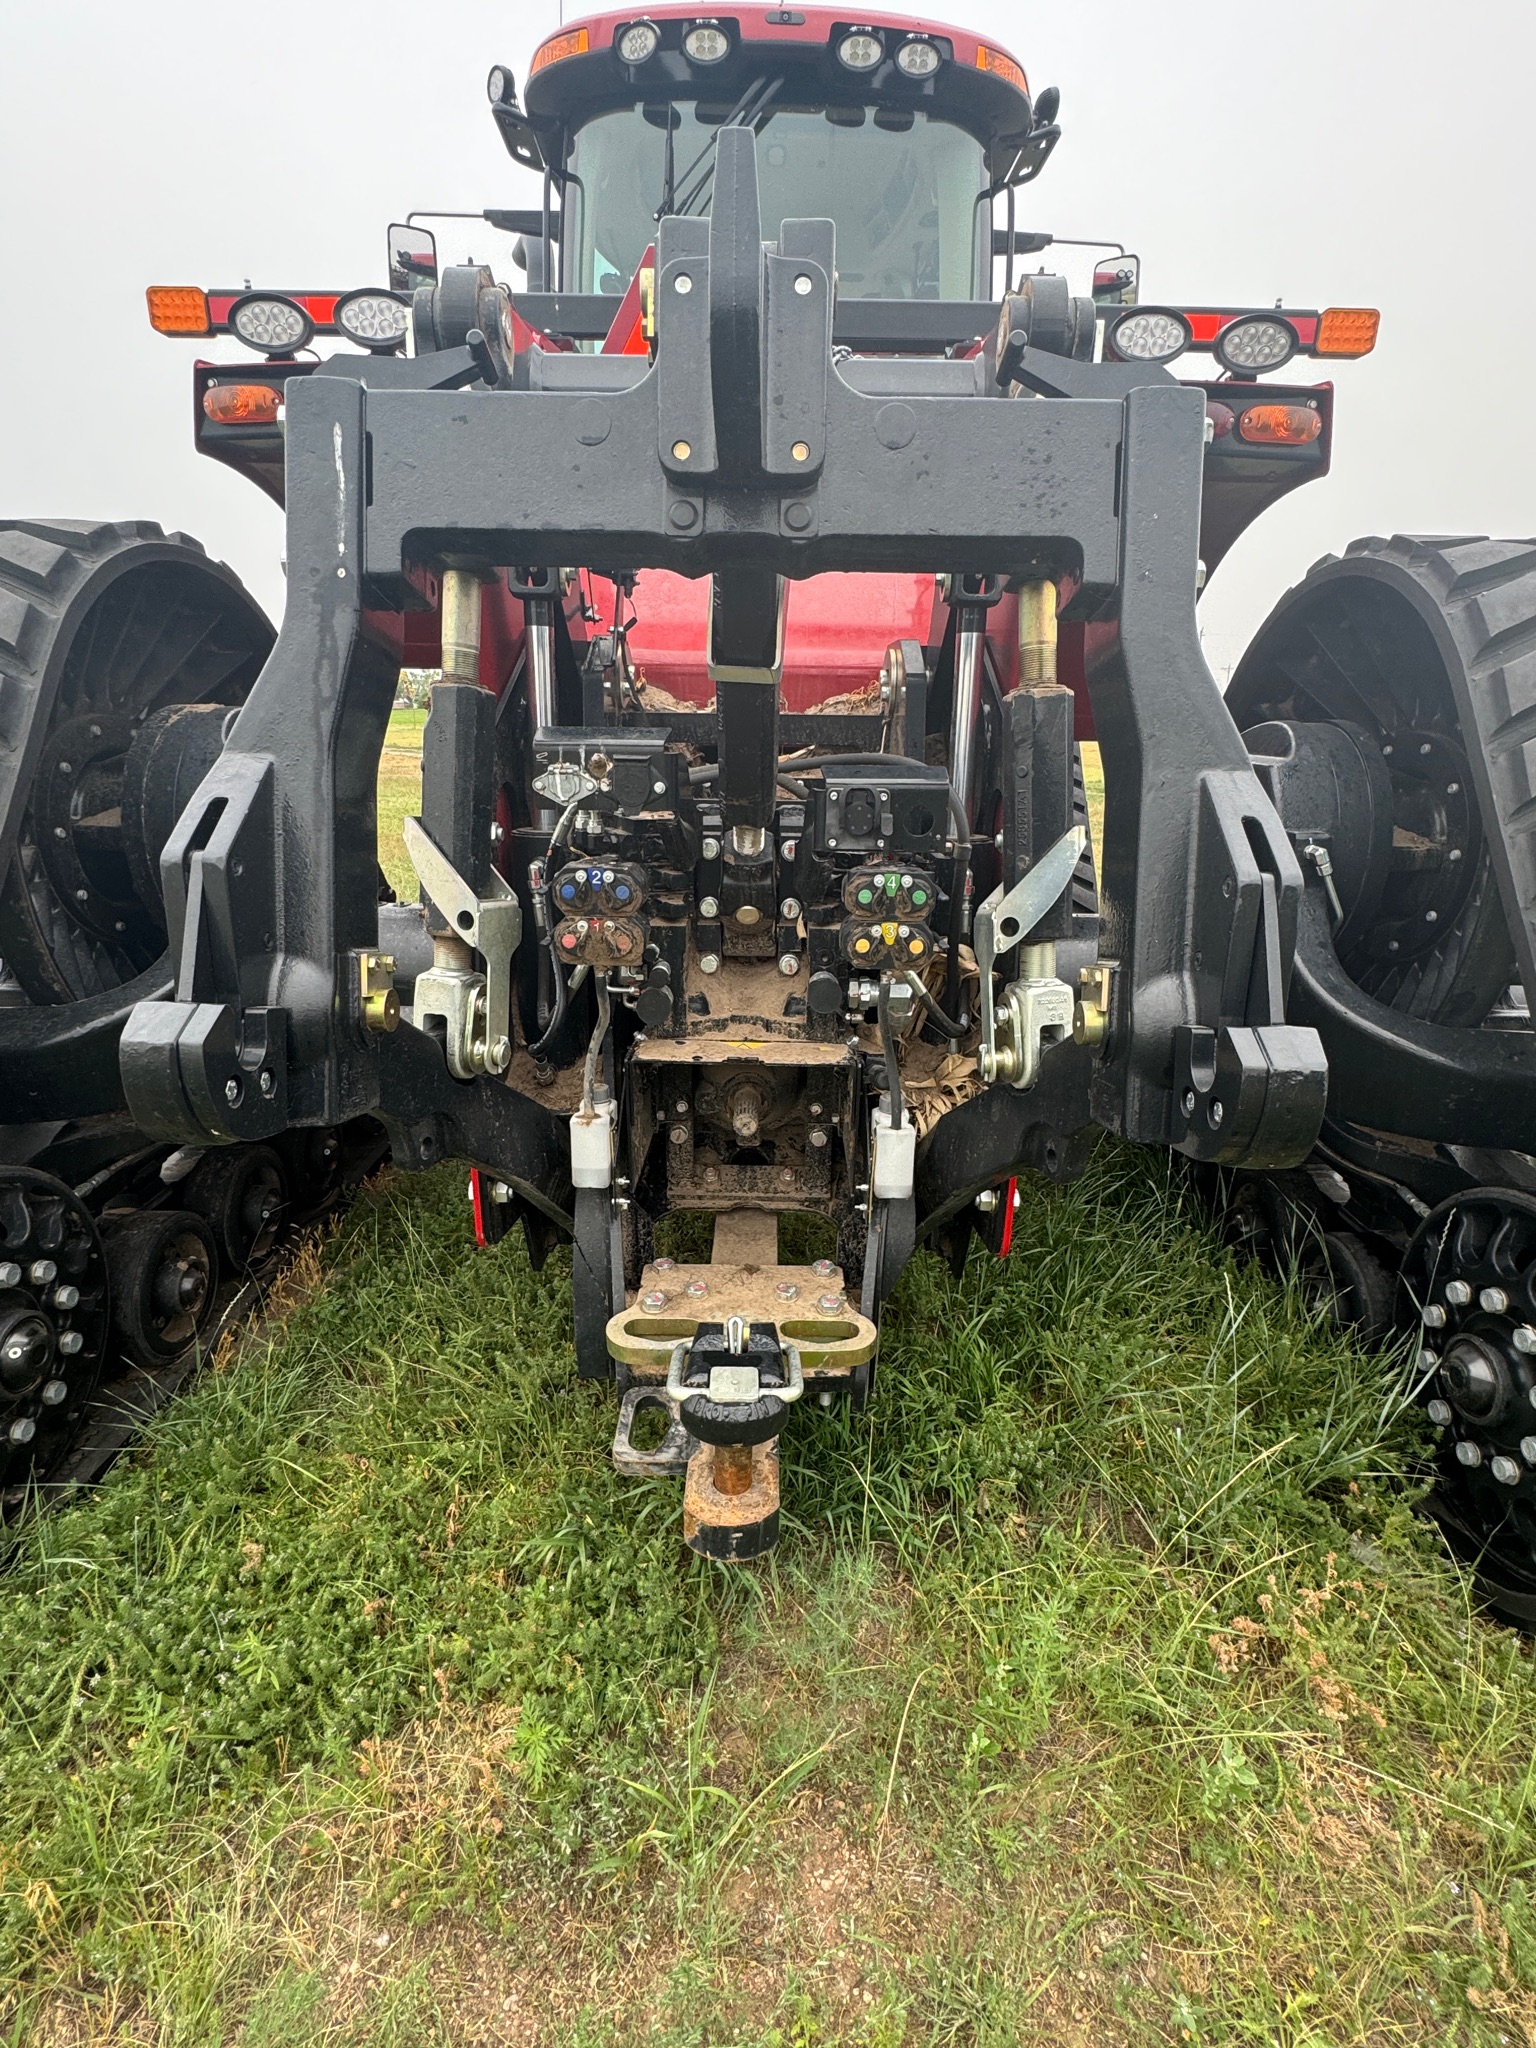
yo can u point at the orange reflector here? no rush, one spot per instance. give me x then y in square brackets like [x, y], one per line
[572, 44]
[177, 309]
[1001, 66]
[242, 405]
[1290, 425]
[1347, 331]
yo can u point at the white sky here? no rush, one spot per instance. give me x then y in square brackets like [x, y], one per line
[1356, 152]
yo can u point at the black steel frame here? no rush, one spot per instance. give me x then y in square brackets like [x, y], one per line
[744, 443]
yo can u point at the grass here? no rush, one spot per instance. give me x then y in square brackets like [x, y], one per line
[1104, 1687]
[400, 797]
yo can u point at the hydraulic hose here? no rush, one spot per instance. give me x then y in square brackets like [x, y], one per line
[947, 1025]
[888, 1047]
[595, 1047]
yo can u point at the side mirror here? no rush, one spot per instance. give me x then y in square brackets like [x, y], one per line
[1026, 242]
[412, 257]
[1047, 106]
[1117, 281]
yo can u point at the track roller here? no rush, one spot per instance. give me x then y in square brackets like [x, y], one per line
[54, 1324]
[164, 1267]
[241, 1193]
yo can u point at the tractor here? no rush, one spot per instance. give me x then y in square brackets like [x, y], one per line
[777, 537]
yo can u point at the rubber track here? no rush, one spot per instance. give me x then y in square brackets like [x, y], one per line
[52, 573]
[1487, 590]
[44, 566]
[1481, 594]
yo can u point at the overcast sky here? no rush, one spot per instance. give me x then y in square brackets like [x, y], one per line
[1355, 152]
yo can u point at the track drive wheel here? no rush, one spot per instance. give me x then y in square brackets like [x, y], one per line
[1469, 1283]
[54, 1324]
[164, 1268]
[106, 631]
[1399, 642]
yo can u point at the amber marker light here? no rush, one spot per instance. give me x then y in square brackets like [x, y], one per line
[572, 44]
[177, 309]
[1289, 426]
[242, 405]
[1347, 331]
[1001, 66]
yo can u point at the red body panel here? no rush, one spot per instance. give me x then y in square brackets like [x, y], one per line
[836, 631]
[808, 25]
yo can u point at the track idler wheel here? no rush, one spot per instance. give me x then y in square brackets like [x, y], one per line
[107, 628]
[241, 1193]
[164, 1267]
[54, 1324]
[1469, 1283]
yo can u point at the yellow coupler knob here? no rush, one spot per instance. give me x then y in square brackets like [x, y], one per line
[379, 998]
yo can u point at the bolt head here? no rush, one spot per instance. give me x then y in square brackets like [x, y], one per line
[823, 1269]
[1494, 1300]
[70, 1342]
[1506, 1470]
[789, 909]
[232, 1091]
[829, 1304]
[1525, 1339]
[788, 1291]
[664, 1265]
[709, 963]
[654, 1302]
[696, 1289]
[1458, 1293]
[1433, 1317]
[66, 1297]
[818, 1140]
[710, 850]
[265, 1081]
[10, 1274]
[677, 1135]
[22, 1430]
[987, 1201]
[1468, 1454]
[709, 906]
[1439, 1413]
[55, 1393]
[1528, 1449]
[42, 1272]
[789, 964]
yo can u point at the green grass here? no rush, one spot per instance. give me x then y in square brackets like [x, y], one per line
[1104, 1687]
[399, 797]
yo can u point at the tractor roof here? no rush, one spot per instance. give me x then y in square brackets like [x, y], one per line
[579, 71]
